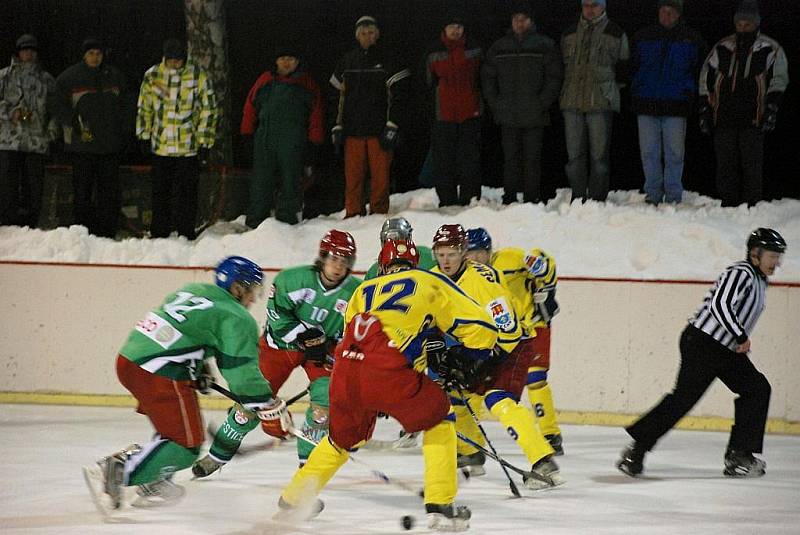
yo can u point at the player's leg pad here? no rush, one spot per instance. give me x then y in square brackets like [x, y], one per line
[541, 396]
[158, 460]
[230, 434]
[439, 452]
[308, 481]
[519, 423]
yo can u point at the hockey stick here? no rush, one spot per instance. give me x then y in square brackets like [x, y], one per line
[230, 395]
[375, 472]
[511, 484]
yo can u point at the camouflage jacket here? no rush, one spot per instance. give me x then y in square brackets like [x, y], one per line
[29, 89]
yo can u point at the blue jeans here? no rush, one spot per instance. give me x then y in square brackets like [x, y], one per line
[588, 137]
[662, 136]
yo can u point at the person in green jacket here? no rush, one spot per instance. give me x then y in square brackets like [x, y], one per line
[162, 363]
[283, 112]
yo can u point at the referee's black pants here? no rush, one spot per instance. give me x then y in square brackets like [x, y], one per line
[702, 360]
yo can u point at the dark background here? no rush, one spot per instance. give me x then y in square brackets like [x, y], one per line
[324, 30]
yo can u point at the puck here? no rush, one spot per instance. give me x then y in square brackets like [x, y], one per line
[407, 522]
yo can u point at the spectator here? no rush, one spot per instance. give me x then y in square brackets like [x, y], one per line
[452, 72]
[521, 80]
[595, 50]
[177, 121]
[665, 62]
[373, 89]
[26, 130]
[284, 110]
[92, 113]
[741, 87]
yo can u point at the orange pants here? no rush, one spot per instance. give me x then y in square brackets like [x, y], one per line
[360, 152]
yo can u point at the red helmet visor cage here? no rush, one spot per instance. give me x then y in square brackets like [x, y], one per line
[398, 250]
[338, 243]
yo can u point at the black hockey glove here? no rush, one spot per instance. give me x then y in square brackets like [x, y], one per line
[388, 139]
[459, 371]
[314, 345]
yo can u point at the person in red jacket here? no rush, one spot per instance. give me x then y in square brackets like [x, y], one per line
[452, 71]
[283, 112]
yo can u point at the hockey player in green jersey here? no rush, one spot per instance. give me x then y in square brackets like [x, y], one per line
[161, 363]
[305, 319]
[398, 228]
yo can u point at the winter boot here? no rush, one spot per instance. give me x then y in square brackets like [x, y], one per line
[543, 475]
[631, 461]
[743, 464]
[447, 517]
[472, 464]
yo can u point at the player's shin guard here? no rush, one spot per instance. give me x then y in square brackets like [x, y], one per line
[308, 481]
[439, 452]
[541, 397]
[158, 460]
[231, 433]
[316, 423]
[519, 423]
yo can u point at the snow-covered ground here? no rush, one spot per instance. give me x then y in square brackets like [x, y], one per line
[42, 491]
[623, 237]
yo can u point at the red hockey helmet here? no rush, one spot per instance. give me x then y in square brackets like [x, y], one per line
[338, 243]
[394, 251]
[450, 236]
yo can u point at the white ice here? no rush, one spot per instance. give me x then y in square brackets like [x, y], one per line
[42, 490]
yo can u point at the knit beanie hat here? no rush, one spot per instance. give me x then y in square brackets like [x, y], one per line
[27, 41]
[598, 2]
[677, 5]
[748, 10]
[454, 17]
[174, 48]
[365, 21]
[522, 7]
[91, 43]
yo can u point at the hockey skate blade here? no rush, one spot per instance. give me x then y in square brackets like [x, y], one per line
[94, 482]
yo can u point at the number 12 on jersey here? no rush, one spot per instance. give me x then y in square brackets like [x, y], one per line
[390, 296]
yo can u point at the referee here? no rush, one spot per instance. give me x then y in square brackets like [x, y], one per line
[715, 344]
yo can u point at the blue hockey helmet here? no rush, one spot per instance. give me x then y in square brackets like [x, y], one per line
[478, 239]
[237, 269]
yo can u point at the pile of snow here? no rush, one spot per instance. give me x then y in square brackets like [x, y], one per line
[623, 237]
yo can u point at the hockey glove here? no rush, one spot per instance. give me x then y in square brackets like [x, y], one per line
[388, 139]
[275, 419]
[770, 119]
[313, 344]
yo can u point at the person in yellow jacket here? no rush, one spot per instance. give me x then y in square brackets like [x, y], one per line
[380, 367]
[531, 278]
[500, 390]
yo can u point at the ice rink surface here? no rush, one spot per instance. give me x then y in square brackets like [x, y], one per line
[42, 489]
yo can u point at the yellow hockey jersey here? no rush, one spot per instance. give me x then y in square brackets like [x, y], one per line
[531, 278]
[488, 287]
[411, 301]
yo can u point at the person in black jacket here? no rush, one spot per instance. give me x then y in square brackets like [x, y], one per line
[372, 92]
[741, 87]
[665, 63]
[95, 122]
[715, 344]
[521, 80]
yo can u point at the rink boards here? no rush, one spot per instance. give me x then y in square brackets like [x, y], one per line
[614, 344]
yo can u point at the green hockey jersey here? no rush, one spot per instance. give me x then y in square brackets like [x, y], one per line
[298, 301]
[197, 322]
[426, 261]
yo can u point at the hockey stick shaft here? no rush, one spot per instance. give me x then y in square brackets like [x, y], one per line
[511, 484]
[491, 455]
[375, 472]
[230, 395]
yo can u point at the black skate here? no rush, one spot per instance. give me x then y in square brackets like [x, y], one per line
[472, 464]
[743, 464]
[631, 461]
[448, 517]
[555, 442]
[544, 474]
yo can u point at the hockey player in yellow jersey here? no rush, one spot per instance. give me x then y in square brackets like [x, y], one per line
[379, 367]
[501, 392]
[531, 278]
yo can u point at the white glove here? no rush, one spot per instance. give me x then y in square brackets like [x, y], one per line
[275, 418]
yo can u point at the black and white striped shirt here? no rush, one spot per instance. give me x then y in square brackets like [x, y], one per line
[732, 306]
